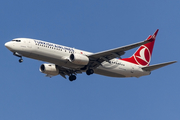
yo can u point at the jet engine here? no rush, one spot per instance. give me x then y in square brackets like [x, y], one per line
[49, 69]
[79, 59]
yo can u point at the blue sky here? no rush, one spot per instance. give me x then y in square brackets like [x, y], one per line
[92, 25]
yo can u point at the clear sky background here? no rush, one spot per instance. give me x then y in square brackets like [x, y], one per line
[91, 25]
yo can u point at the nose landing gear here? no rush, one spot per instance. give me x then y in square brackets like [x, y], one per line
[18, 55]
[20, 60]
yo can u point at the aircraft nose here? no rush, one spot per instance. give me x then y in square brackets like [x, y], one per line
[7, 45]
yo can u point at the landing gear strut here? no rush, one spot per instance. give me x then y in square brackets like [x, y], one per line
[18, 55]
[72, 77]
[89, 71]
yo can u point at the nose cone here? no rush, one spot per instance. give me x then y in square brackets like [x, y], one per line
[8, 45]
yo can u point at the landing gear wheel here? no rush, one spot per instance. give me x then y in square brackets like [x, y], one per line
[20, 60]
[72, 77]
[89, 71]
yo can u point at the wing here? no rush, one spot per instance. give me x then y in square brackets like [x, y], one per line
[63, 71]
[98, 58]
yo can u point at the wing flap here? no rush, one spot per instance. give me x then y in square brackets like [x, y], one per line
[157, 66]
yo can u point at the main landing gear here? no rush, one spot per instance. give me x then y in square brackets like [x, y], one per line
[18, 55]
[72, 77]
[89, 71]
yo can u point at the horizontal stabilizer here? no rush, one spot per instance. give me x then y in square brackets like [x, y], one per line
[154, 67]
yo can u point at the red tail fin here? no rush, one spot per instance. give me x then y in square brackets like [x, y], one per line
[143, 55]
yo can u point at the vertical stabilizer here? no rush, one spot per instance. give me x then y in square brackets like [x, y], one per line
[143, 55]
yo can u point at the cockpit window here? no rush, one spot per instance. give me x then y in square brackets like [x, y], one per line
[17, 40]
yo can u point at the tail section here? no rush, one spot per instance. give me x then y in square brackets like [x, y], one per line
[143, 55]
[157, 66]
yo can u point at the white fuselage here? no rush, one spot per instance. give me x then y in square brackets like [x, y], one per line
[59, 55]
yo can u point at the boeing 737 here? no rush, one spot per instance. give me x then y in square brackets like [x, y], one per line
[67, 61]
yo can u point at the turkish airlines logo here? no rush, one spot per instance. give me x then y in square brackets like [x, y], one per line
[143, 56]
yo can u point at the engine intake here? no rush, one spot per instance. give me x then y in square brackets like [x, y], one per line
[79, 59]
[49, 69]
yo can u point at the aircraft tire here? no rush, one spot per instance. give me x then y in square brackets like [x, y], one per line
[20, 60]
[72, 77]
[89, 71]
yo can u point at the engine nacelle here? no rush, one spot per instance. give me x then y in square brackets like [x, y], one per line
[79, 59]
[49, 69]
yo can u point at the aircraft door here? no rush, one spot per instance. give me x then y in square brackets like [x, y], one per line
[23, 45]
[29, 44]
[132, 71]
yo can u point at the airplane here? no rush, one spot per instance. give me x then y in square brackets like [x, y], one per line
[67, 61]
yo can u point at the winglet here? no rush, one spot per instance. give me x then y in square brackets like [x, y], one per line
[153, 37]
[155, 34]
